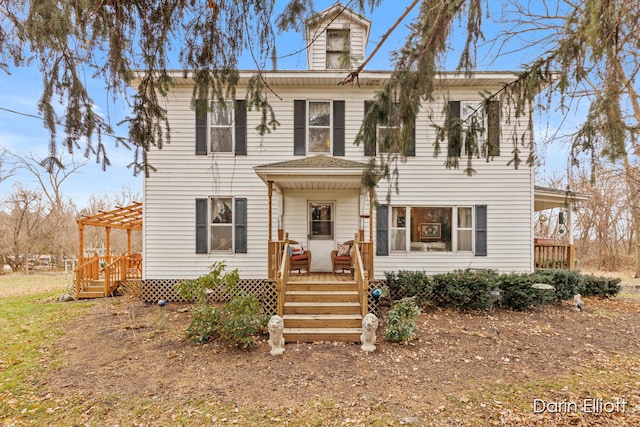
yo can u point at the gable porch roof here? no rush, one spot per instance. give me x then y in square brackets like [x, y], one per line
[319, 172]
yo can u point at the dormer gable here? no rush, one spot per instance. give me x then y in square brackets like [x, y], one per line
[336, 39]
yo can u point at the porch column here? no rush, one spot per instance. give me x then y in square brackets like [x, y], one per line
[571, 256]
[270, 187]
[371, 215]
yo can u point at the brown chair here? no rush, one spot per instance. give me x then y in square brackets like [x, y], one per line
[300, 261]
[342, 262]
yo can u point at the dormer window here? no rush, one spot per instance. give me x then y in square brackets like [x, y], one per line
[338, 49]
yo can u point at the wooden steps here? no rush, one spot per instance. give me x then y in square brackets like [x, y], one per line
[322, 311]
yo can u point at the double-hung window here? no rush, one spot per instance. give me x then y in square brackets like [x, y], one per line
[388, 132]
[220, 127]
[319, 126]
[221, 224]
[338, 49]
[484, 117]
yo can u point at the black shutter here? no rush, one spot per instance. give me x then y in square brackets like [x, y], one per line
[370, 150]
[454, 129]
[299, 127]
[493, 128]
[201, 126]
[481, 230]
[412, 149]
[240, 224]
[338, 128]
[241, 127]
[382, 230]
[202, 226]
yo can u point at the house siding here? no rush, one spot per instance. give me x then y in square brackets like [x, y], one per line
[182, 177]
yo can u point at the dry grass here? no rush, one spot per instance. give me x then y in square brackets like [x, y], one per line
[15, 284]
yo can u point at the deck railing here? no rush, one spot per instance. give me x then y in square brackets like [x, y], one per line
[554, 255]
[111, 269]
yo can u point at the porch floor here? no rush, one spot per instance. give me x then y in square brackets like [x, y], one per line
[319, 277]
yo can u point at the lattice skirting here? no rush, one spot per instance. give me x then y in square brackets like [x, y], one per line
[264, 289]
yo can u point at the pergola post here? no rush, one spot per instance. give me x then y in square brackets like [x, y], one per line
[80, 243]
[108, 244]
[129, 241]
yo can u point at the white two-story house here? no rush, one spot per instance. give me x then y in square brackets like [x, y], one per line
[222, 192]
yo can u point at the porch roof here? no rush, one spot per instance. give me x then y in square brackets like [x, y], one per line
[319, 172]
[549, 198]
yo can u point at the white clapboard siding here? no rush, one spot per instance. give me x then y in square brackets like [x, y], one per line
[181, 177]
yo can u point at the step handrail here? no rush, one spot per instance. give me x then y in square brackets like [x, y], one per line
[283, 275]
[361, 276]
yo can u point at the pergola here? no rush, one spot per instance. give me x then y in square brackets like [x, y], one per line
[128, 218]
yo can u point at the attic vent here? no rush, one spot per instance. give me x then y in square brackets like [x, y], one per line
[338, 49]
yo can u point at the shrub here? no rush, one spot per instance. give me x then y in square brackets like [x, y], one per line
[567, 283]
[237, 321]
[241, 320]
[463, 289]
[516, 291]
[401, 321]
[410, 284]
[203, 326]
[601, 286]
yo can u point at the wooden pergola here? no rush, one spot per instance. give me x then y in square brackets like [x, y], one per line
[128, 218]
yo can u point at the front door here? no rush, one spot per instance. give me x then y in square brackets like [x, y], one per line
[321, 228]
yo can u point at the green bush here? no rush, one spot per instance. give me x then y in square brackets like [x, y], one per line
[241, 320]
[600, 286]
[237, 321]
[204, 325]
[401, 321]
[410, 284]
[463, 289]
[516, 291]
[567, 283]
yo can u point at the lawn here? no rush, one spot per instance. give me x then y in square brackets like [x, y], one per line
[106, 362]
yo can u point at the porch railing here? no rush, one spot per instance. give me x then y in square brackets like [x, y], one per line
[554, 255]
[276, 249]
[282, 277]
[361, 276]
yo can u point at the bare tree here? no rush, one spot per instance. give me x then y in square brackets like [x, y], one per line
[22, 228]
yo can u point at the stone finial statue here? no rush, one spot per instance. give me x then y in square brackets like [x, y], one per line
[276, 340]
[368, 337]
[578, 304]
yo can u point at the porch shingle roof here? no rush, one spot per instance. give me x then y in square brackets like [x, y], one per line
[316, 162]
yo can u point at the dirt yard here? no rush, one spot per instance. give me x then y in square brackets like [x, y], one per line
[471, 368]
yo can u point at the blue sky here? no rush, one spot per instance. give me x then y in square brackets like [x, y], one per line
[21, 134]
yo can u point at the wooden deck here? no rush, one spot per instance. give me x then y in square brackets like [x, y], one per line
[320, 277]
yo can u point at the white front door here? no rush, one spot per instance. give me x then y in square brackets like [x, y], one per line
[321, 232]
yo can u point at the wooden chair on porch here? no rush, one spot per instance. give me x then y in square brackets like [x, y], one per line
[300, 258]
[341, 257]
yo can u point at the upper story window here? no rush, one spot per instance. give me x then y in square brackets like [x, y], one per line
[338, 41]
[389, 131]
[485, 117]
[221, 131]
[319, 121]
